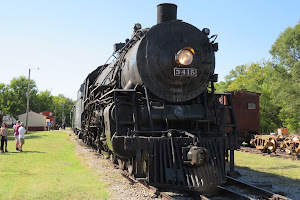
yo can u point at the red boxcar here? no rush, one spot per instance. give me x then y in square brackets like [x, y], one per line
[49, 115]
[246, 109]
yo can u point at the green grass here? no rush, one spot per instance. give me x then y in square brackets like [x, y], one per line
[47, 169]
[273, 166]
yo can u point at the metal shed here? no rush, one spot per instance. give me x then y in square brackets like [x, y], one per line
[36, 121]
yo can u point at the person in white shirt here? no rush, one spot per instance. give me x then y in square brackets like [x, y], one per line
[22, 132]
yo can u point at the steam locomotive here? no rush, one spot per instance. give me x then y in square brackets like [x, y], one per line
[153, 110]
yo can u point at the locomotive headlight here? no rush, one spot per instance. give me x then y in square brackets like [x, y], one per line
[184, 56]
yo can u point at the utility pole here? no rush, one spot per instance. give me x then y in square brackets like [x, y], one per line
[55, 111]
[28, 89]
[63, 116]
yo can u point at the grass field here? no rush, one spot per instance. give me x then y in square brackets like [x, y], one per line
[47, 169]
[50, 169]
[276, 166]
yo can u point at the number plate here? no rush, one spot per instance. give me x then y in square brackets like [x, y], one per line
[185, 72]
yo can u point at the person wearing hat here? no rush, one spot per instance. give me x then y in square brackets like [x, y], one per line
[22, 131]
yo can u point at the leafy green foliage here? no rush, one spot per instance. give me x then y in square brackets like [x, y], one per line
[286, 49]
[15, 96]
[2, 96]
[13, 100]
[278, 81]
[44, 101]
[62, 104]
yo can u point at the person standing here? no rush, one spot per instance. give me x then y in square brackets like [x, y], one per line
[22, 131]
[48, 126]
[3, 133]
[16, 134]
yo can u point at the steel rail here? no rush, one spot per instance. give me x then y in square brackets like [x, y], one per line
[232, 194]
[267, 194]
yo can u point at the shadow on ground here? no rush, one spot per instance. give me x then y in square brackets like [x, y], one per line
[278, 184]
[27, 136]
[26, 152]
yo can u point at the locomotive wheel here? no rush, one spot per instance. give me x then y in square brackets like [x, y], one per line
[112, 158]
[145, 166]
[121, 163]
[145, 162]
[130, 166]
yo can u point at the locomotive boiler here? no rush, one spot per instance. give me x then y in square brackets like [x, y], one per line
[153, 110]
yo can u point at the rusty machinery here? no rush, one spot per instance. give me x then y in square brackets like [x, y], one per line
[266, 145]
[288, 144]
[291, 145]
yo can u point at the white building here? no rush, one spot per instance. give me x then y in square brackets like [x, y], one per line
[36, 121]
[9, 120]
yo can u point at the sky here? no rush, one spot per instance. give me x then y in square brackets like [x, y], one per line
[68, 39]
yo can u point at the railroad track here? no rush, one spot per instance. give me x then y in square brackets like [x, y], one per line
[156, 192]
[278, 153]
[235, 189]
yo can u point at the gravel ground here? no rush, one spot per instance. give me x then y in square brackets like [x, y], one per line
[121, 188]
[277, 184]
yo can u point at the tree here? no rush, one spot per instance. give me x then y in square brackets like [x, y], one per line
[233, 75]
[278, 81]
[44, 101]
[63, 104]
[16, 96]
[222, 86]
[286, 51]
[2, 97]
[13, 100]
[237, 72]
[264, 78]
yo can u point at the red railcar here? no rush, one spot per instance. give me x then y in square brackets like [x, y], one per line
[246, 110]
[49, 115]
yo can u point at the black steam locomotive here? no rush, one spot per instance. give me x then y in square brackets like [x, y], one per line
[153, 110]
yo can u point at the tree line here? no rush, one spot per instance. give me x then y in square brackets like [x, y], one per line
[278, 81]
[13, 100]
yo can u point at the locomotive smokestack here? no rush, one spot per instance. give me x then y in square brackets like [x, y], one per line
[166, 12]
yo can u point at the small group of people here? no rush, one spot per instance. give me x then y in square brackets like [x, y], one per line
[19, 133]
[52, 126]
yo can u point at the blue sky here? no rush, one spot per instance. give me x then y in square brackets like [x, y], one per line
[67, 39]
